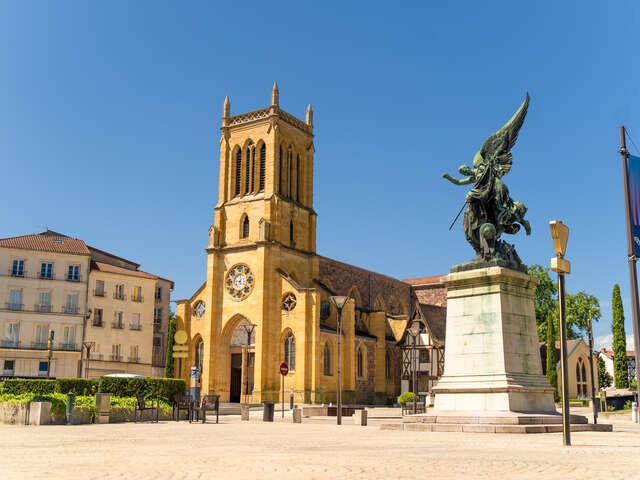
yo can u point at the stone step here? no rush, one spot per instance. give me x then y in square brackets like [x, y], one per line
[510, 418]
[486, 428]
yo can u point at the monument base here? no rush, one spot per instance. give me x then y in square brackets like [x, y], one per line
[492, 357]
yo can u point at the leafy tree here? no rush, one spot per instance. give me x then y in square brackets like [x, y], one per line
[580, 308]
[604, 378]
[620, 367]
[552, 372]
[168, 365]
[545, 298]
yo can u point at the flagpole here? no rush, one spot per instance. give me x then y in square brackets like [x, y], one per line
[632, 259]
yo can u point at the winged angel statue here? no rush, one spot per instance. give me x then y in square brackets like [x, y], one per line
[490, 210]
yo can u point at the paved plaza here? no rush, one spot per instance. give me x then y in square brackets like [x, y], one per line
[314, 449]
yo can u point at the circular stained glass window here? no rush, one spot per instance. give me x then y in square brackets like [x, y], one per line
[289, 302]
[199, 309]
[239, 281]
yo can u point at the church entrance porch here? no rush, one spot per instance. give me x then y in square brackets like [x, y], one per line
[242, 351]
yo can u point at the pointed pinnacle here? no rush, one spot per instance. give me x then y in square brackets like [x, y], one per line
[308, 118]
[226, 108]
[275, 94]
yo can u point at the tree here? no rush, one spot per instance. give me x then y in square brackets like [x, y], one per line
[604, 378]
[620, 367]
[581, 307]
[168, 364]
[552, 372]
[545, 298]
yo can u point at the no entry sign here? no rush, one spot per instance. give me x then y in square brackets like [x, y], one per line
[284, 369]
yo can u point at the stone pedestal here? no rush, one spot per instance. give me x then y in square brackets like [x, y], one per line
[492, 358]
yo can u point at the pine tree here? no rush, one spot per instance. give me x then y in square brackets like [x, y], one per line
[620, 367]
[552, 372]
[604, 379]
[168, 365]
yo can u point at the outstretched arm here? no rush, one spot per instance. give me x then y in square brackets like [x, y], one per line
[455, 181]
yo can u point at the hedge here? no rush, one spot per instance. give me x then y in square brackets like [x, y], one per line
[19, 386]
[164, 388]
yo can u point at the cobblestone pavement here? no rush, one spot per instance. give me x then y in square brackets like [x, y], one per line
[317, 448]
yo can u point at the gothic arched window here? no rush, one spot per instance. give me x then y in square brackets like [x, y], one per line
[252, 171]
[298, 178]
[290, 351]
[247, 171]
[236, 191]
[199, 353]
[360, 362]
[263, 159]
[290, 174]
[281, 170]
[291, 237]
[245, 227]
[387, 365]
[327, 360]
[581, 378]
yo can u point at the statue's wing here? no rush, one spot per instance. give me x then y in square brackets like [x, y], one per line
[498, 145]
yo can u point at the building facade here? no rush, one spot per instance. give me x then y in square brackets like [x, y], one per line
[607, 357]
[107, 316]
[578, 366]
[266, 297]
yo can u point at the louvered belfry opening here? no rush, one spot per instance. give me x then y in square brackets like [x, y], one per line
[263, 158]
[238, 172]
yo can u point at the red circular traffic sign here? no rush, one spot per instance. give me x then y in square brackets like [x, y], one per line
[284, 369]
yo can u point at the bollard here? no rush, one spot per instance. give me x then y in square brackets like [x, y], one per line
[71, 400]
[634, 412]
[103, 402]
[360, 417]
[297, 415]
[267, 414]
[244, 413]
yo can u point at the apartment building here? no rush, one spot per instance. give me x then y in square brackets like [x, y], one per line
[107, 316]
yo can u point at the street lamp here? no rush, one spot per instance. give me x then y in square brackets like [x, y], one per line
[414, 331]
[88, 346]
[593, 385]
[249, 328]
[339, 302]
[560, 235]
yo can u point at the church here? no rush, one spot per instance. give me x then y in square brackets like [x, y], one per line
[266, 297]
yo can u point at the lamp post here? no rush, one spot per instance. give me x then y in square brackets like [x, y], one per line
[88, 346]
[249, 329]
[560, 235]
[593, 386]
[414, 331]
[339, 302]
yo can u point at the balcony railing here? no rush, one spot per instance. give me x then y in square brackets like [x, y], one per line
[118, 325]
[116, 358]
[137, 298]
[99, 293]
[16, 307]
[39, 345]
[73, 309]
[135, 326]
[73, 278]
[68, 346]
[46, 276]
[119, 296]
[157, 327]
[42, 307]
[134, 359]
[11, 344]
[158, 299]
[17, 273]
[95, 356]
[97, 323]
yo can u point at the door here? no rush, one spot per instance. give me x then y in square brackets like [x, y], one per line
[236, 378]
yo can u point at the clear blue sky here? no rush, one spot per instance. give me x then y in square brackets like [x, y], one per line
[110, 115]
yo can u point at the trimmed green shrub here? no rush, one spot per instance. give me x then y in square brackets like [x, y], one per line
[405, 397]
[80, 386]
[620, 367]
[168, 365]
[19, 386]
[163, 388]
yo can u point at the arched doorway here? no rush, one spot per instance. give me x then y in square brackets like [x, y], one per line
[242, 350]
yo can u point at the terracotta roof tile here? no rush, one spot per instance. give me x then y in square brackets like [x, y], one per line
[422, 280]
[47, 242]
[107, 268]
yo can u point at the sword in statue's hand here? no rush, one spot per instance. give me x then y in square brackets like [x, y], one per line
[455, 219]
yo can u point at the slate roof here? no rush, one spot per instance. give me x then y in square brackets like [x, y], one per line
[436, 318]
[47, 241]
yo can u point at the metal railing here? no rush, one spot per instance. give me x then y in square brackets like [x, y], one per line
[68, 346]
[134, 359]
[137, 298]
[11, 343]
[116, 358]
[16, 307]
[43, 307]
[17, 273]
[98, 293]
[157, 327]
[158, 299]
[73, 278]
[135, 326]
[39, 345]
[118, 325]
[98, 323]
[70, 309]
[95, 356]
[119, 296]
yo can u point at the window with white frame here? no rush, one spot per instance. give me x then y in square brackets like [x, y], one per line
[46, 270]
[17, 269]
[44, 301]
[73, 273]
[115, 352]
[12, 335]
[157, 315]
[99, 291]
[42, 334]
[119, 292]
[117, 319]
[137, 294]
[15, 299]
[133, 353]
[69, 338]
[71, 305]
[135, 321]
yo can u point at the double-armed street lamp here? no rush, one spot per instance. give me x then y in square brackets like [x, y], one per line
[560, 235]
[414, 331]
[248, 328]
[339, 302]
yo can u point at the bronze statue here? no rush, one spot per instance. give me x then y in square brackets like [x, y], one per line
[490, 210]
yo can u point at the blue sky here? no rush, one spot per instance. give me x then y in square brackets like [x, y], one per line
[110, 115]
